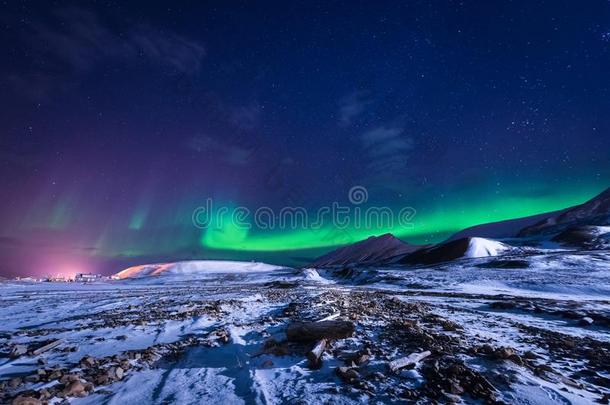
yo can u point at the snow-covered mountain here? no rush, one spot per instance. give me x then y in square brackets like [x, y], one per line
[594, 212]
[193, 268]
[375, 249]
[464, 248]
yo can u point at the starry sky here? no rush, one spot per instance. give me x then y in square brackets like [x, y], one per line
[119, 119]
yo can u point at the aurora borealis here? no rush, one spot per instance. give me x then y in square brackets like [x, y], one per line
[119, 120]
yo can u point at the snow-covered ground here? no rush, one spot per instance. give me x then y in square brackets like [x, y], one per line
[525, 329]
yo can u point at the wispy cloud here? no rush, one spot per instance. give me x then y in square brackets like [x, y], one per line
[387, 149]
[75, 40]
[234, 155]
[352, 106]
[245, 117]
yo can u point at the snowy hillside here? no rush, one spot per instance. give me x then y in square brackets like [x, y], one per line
[465, 248]
[193, 268]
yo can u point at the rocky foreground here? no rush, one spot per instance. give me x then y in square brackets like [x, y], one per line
[294, 340]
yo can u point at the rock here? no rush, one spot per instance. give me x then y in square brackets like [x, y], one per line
[376, 376]
[102, 379]
[363, 358]
[455, 388]
[87, 362]
[32, 378]
[408, 361]
[504, 353]
[314, 331]
[347, 374]
[68, 378]
[21, 400]
[530, 355]
[502, 305]
[515, 358]
[15, 382]
[115, 373]
[47, 346]
[18, 350]
[44, 394]
[54, 375]
[75, 389]
[586, 321]
[314, 356]
[267, 364]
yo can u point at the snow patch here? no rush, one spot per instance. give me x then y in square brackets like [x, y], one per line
[481, 247]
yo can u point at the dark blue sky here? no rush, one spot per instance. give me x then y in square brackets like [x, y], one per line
[118, 119]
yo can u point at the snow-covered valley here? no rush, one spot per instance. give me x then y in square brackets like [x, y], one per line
[523, 328]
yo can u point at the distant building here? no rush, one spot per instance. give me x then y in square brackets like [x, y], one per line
[88, 277]
[57, 279]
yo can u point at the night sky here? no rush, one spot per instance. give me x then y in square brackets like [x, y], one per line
[118, 120]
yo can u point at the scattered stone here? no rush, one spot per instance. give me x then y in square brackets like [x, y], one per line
[87, 362]
[314, 331]
[68, 378]
[54, 375]
[586, 321]
[23, 400]
[314, 356]
[530, 355]
[75, 389]
[15, 382]
[18, 350]
[376, 376]
[409, 361]
[349, 375]
[32, 378]
[363, 358]
[47, 347]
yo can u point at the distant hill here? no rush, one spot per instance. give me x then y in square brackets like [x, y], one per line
[375, 249]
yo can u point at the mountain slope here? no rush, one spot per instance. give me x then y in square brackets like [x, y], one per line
[375, 249]
[192, 268]
[502, 229]
[463, 248]
[596, 212]
[586, 236]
